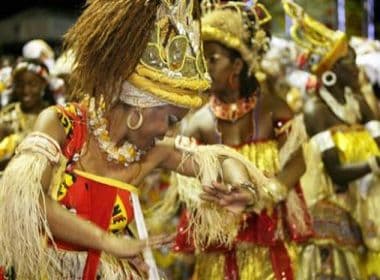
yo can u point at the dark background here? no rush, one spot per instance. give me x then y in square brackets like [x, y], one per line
[15, 6]
[74, 8]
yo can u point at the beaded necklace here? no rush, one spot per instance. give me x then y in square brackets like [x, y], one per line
[232, 111]
[125, 154]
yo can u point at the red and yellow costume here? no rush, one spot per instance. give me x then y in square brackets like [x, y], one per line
[103, 201]
[261, 249]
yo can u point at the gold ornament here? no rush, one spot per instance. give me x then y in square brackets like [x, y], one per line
[323, 45]
[172, 67]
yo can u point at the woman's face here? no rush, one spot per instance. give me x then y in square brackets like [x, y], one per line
[28, 89]
[157, 122]
[346, 69]
[220, 66]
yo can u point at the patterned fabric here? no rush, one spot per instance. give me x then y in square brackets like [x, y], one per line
[73, 119]
[104, 204]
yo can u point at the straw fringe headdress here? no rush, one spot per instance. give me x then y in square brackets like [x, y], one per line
[237, 26]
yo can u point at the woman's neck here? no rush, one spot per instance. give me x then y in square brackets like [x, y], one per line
[34, 109]
[116, 123]
[338, 93]
[229, 96]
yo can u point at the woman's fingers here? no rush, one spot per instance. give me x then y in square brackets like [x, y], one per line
[160, 240]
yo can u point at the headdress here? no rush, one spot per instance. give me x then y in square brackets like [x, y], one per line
[153, 45]
[39, 49]
[64, 64]
[324, 46]
[237, 26]
[33, 67]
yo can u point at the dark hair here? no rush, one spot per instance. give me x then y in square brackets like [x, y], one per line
[249, 85]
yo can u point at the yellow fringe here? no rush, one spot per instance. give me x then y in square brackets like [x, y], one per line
[296, 137]
[210, 223]
[23, 221]
[253, 264]
[344, 264]
[315, 182]
[211, 33]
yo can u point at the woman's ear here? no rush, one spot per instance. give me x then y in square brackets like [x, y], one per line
[237, 66]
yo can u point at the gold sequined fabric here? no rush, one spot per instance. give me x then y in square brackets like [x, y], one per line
[263, 154]
[253, 261]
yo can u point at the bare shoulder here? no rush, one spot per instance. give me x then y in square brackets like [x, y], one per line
[315, 115]
[49, 123]
[277, 106]
[365, 110]
[198, 123]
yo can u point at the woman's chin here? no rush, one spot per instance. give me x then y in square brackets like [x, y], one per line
[146, 146]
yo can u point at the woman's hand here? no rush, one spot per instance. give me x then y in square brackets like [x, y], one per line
[234, 198]
[122, 247]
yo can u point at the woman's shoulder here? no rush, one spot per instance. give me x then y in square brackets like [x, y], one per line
[48, 122]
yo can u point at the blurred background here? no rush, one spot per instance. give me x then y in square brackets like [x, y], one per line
[23, 20]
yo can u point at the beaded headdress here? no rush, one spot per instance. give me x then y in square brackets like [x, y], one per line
[35, 68]
[237, 26]
[324, 46]
[153, 45]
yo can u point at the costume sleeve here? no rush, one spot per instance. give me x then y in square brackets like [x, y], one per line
[373, 128]
[210, 223]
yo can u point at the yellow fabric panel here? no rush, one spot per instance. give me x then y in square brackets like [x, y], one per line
[263, 154]
[254, 263]
[119, 219]
[355, 146]
[107, 181]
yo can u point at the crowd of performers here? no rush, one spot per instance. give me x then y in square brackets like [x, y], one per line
[181, 140]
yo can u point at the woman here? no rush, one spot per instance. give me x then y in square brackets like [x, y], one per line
[238, 116]
[30, 80]
[342, 155]
[68, 195]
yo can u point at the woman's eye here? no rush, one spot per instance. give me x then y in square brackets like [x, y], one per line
[213, 58]
[173, 120]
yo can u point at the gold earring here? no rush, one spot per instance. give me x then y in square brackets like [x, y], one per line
[139, 122]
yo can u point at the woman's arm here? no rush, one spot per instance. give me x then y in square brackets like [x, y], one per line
[234, 193]
[343, 174]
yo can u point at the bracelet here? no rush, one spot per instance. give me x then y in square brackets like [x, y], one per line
[373, 165]
[276, 190]
[252, 189]
[255, 194]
